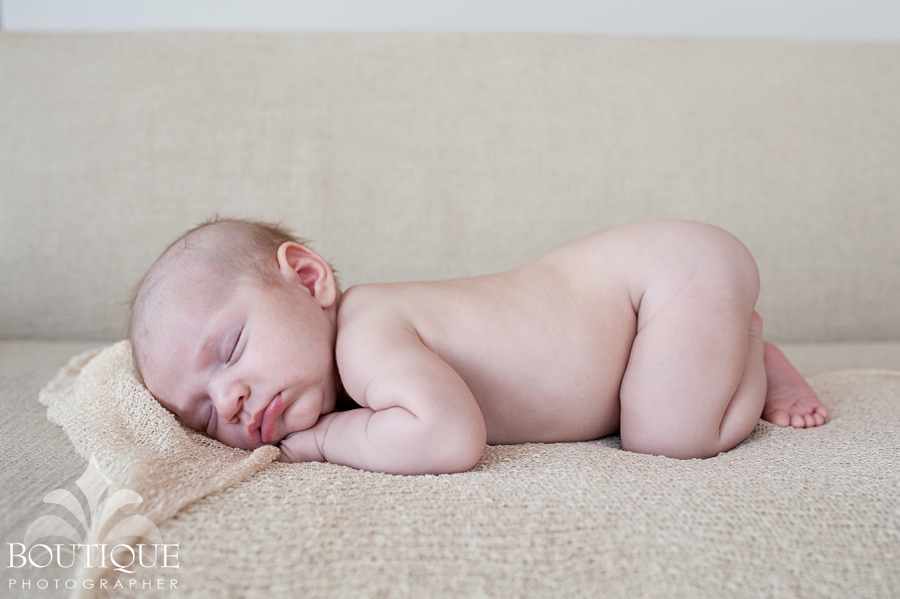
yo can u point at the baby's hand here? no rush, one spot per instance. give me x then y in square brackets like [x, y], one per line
[300, 447]
[306, 445]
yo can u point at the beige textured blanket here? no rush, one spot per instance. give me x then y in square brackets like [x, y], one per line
[788, 513]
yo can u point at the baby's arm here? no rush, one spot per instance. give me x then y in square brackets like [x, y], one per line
[418, 415]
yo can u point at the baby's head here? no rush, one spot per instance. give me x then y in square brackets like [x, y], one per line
[233, 330]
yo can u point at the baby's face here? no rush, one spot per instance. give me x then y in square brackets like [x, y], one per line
[245, 363]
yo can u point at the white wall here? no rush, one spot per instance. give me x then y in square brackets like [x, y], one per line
[797, 19]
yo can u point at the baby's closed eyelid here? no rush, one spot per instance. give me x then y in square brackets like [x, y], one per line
[234, 346]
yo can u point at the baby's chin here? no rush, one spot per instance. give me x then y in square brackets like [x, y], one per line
[304, 413]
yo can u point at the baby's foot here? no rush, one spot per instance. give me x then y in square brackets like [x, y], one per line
[790, 401]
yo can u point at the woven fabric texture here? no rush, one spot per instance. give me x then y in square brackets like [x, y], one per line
[787, 513]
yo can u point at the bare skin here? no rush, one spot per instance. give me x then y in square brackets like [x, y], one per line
[648, 330]
[790, 401]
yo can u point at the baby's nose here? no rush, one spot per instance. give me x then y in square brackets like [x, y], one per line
[229, 401]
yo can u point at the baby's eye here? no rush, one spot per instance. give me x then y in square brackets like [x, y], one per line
[234, 345]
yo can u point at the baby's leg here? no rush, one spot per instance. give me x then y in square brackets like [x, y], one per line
[694, 386]
[790, 401]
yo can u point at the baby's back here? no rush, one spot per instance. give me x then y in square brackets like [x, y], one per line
[648, 329]
[543, 347]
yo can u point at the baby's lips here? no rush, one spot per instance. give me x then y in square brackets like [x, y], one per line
[254, 430]
[269, 417]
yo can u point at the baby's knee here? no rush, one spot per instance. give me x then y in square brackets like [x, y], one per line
[670, 442]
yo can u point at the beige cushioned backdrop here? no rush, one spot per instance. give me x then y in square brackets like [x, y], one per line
[429, 156]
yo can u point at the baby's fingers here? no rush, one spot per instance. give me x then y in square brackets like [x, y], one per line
[300, 446]
[288, 450]
[284, 456]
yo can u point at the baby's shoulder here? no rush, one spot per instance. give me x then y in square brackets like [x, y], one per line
[365, 305]
[371, 312]
[374, 334]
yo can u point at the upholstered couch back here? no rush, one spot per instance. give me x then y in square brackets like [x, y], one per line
[423, 156]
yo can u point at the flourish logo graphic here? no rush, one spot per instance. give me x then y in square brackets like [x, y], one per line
[106, 539]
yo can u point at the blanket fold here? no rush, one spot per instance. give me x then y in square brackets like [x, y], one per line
[108, 414]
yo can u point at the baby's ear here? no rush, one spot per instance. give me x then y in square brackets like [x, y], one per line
[299, 264]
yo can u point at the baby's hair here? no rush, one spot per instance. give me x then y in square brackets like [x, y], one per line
[239, 247]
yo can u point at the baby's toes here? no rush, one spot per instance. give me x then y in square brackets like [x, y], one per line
[778, 417]
[798, 421]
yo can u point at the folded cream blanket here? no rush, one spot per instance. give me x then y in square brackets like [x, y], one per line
[787, 513]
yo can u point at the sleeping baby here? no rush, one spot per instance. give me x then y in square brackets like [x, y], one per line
[648, 330]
